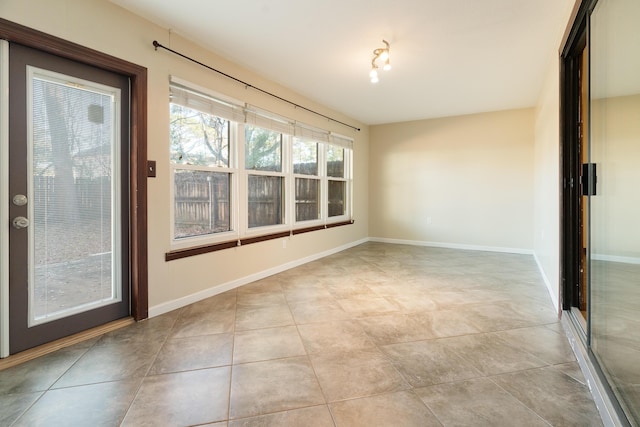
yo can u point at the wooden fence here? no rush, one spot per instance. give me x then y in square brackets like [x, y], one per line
[88, 197]
[201, 203]
[307, 199]
[202, 200]
[202, 206]
[265, 200]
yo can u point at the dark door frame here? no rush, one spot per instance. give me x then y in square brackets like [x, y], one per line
[137, 74]
[570, 157]
[570, 163]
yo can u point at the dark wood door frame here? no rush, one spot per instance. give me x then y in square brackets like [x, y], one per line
[570, 157]
[570, 163]
[138, 260]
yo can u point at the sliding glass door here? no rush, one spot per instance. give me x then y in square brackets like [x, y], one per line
[615, 208]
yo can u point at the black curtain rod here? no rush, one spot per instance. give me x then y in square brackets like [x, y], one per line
[157, 45]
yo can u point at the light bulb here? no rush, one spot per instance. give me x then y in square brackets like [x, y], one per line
[373, 74]
[374, 79]
[387, 66]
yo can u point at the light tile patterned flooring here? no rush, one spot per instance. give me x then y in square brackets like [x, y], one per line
[377, 335]
[615, 320]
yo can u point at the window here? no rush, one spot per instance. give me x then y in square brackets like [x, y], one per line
[265, 181]
[200, 163]
[336, 182]
[199, 149]
[239, 171]
[307, 181]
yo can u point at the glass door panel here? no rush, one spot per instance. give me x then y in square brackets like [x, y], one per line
[615, 209]
[72, 147]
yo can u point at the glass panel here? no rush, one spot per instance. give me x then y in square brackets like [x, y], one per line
[202, 203]
[615, 235]
[73, 145]
[263, 149]
[337, 198]
[305, 157]
[198, 138]
[335, 161]
[265, 200]
[307, 199]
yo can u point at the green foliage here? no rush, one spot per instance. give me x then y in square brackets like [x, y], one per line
[263, 149]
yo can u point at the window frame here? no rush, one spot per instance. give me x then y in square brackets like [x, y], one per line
[347, 179]
[189, 241]
[240, 232]
[231, 169]
[284, 160]
[320, 172]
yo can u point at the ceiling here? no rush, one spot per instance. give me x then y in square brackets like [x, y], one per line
[448, 57]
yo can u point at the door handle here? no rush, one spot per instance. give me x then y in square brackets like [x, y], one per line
[589, 179]
[20, 222]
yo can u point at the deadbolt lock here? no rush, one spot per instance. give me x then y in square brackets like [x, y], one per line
[19, 200]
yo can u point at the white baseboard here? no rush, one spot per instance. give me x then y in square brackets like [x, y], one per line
[198, 296]
[552, 292]
[453, 246]
[615, 258]
[547, 282]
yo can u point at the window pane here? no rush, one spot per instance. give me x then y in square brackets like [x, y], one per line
[198, 138]
[335, 161]
[265, 200]
[201, 203]
[305, 157]
[337, 197]
[307, 199]
[263, 149]
[73, 142]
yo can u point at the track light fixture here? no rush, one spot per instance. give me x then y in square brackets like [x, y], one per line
[382, 55]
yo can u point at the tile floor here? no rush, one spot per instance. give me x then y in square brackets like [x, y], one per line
[615, 319]
[377, 335]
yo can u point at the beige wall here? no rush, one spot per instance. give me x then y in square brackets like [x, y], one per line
[462, 181]
[615, 131]
[546, 214]
[100, 25]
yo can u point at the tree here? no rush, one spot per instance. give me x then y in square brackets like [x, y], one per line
[65, 200]
[198, 138]
[262, 149]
